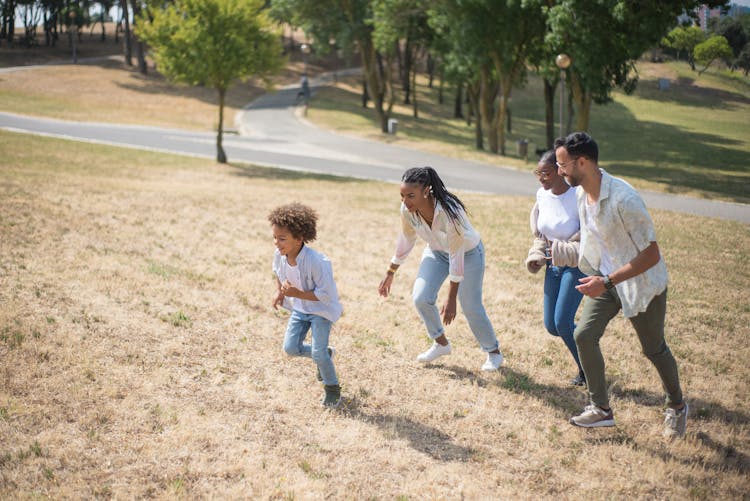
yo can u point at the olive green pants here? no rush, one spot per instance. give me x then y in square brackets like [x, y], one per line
[649, 325]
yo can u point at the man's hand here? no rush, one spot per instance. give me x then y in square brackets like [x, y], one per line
[592, 286]
[278, 300]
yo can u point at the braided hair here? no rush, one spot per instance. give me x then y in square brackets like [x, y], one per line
[427, 177]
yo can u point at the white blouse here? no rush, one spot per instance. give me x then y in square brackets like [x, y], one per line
[455, 239]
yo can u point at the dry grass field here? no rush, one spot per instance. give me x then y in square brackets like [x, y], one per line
[140, 357]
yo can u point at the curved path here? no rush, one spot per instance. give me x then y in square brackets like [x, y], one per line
[272, 134]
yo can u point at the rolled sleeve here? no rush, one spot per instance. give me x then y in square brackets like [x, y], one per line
[324, 284]
[637, 222]
[405, 241]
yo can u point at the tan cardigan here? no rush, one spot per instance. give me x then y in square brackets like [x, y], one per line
[564, 252]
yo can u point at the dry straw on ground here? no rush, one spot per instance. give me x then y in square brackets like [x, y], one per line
[141, 357]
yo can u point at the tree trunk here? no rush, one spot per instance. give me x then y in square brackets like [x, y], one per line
[473, 93]
[549, 112]
[377, 76]
[458, 102]
[365, 95]
[487, 97]
[139, 49]
[582, 100]
[127, 48]
[407, 71]
[221, 157]
[414, 90]
[430, 69]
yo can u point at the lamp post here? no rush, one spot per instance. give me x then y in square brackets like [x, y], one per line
[74, 33]
[563, 62]
[305, 48]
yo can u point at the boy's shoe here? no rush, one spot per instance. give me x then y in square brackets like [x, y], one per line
[579, 380]
[494, 361]
[593, 417]
[675, 422]
[332, 398]
[331, 353]
[436, 351]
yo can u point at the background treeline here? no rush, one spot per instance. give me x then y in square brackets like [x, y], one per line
[479, 49]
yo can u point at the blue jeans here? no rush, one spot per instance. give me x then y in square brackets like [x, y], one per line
[433, 270]
[561, 300]
[296, 331]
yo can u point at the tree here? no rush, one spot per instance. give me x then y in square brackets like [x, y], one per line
[212, 43]
[684, 38]
[743, 60]
[604, 39]
[499, 35]
[350, 24]
[397, 20]
[712, 49]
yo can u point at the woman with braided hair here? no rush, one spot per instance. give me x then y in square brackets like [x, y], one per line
[454, 250]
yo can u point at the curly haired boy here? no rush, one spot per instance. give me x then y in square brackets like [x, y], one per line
[305, 286]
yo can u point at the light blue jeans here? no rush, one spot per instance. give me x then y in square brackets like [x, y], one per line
[433, 270]
[561, 300]
[294, 345]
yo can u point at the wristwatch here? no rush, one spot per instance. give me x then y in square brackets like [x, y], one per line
[608, 283]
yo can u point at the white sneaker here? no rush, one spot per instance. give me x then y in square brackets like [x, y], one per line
[494, 361]
[436, 351]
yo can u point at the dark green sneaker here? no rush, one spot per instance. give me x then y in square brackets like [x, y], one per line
[331, 353]
[332, 398]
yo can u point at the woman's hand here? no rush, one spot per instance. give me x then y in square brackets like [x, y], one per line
[385, 285]
[448, 311]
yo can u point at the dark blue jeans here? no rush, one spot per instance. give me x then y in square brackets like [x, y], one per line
[561, 300]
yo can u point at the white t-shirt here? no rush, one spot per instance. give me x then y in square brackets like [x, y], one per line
[558, 214]
[293, 275]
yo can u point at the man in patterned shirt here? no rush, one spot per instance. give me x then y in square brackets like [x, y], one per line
[619, 252]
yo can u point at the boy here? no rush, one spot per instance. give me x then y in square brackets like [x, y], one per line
[305, 286]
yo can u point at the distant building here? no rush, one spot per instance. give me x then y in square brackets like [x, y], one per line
[704, 14]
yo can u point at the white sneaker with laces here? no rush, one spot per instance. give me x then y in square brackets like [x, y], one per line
[593, 417]
[436, 351]
[493, 363]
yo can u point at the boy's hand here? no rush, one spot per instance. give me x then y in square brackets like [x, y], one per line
[278, 300]
[287, 289]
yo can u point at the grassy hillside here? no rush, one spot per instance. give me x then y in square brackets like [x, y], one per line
[141, 356]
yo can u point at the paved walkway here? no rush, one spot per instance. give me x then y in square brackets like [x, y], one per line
[271, 133]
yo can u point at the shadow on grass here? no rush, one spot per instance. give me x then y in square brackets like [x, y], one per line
[257, 172]
[421, 437]
[569, 401]
[683, 92]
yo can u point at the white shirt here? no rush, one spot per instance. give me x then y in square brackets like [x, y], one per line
[455, 239]
[623, 222]
[292, 274]
[558, 214]
[315, 274]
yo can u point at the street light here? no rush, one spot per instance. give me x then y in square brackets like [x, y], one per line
[74, 31]
[305, 48]
[563, 62]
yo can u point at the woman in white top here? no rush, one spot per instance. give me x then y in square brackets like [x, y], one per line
[454, 250]
[556, 227]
